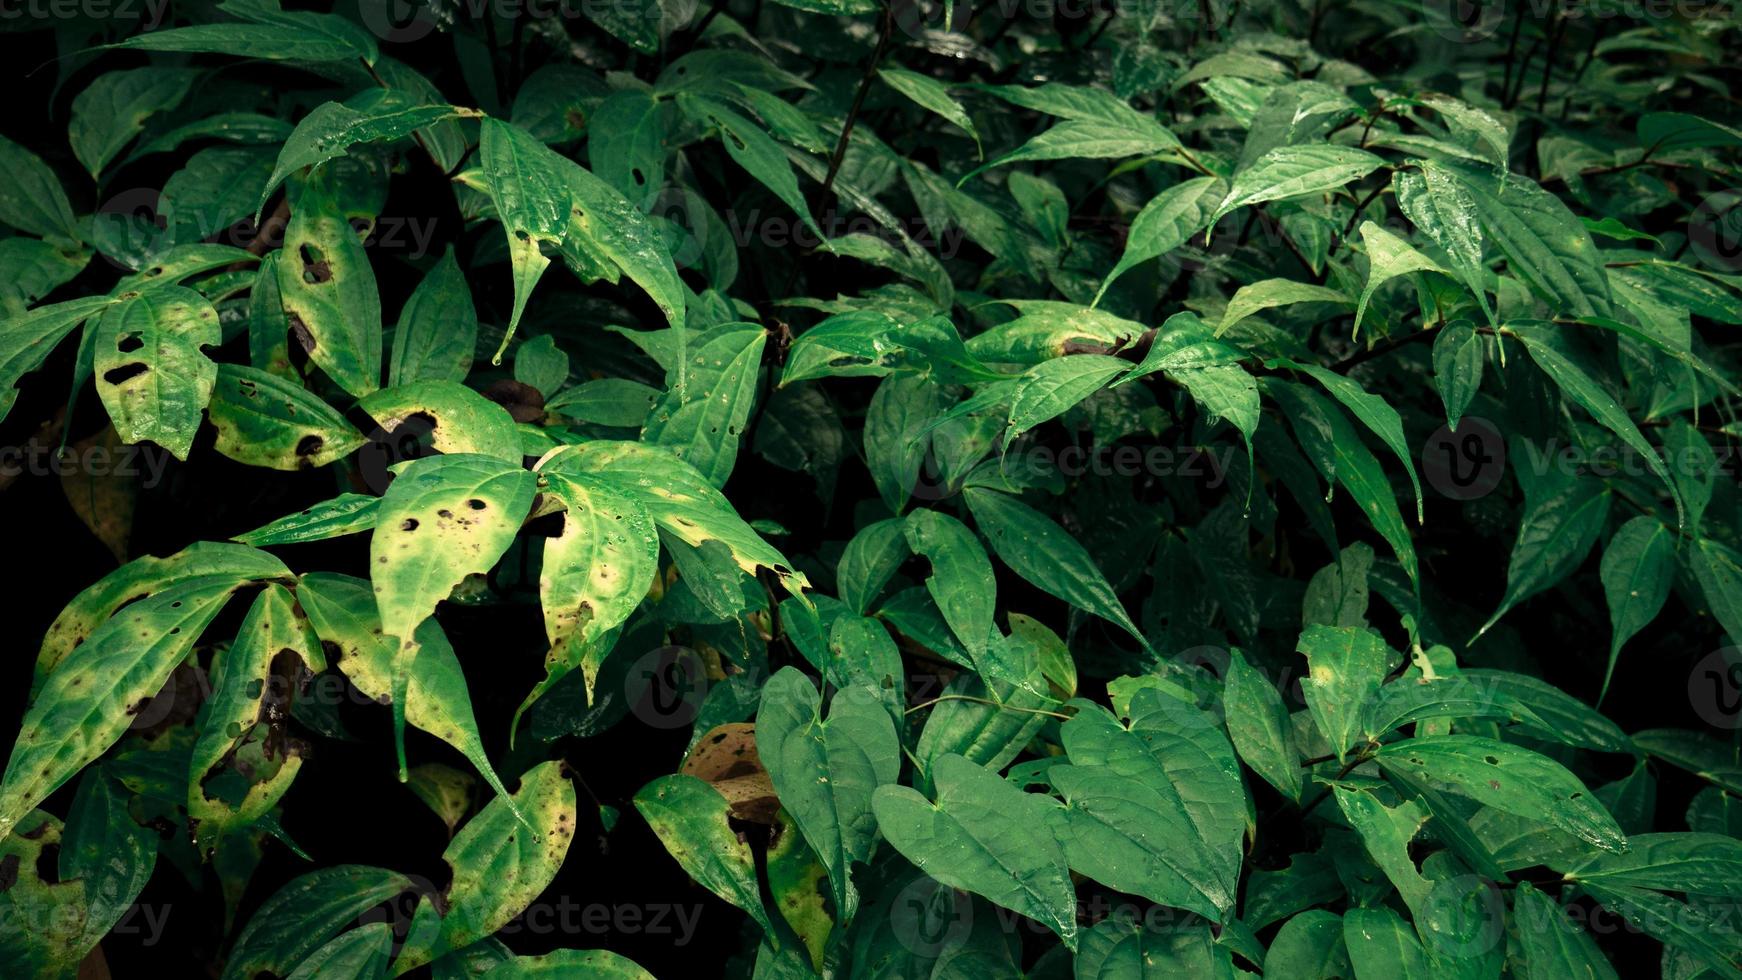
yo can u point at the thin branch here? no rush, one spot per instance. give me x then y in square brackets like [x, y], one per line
[986, 701]
[887, 28]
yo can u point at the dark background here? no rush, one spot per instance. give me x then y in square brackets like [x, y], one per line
[346, 805]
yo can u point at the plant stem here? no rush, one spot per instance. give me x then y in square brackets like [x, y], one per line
[887, 27]
[986, 701]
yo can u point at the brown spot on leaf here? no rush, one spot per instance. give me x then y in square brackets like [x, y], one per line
[523, 401]
[300, 332]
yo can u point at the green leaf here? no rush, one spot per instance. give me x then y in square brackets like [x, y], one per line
[1548, 350]
[361, 952]
[616, 402]
[1271, 293]
[868, 562]
[961, 581]
[1554, 537]
[622, 234]
[1458, 357]
[106, 852]
[1673, 923]
[1388, 257]
[265, 420]
[1373, 412]
[328, 290]
[1506, 777]
[594, 575]
[826, 771]
[1146, 809]
[1636, 574]
[679, 499]
[303, 915]
[1258, 726]
[1703, 864]
[329, 131]
[452, 417]
[1386, 832]
[1337, 450]
[114, 107]
[1550, 944]
[690, 818]
[269, 33]
[754, 150]
[1381, 945]
[1545, 245]
[87, 704]
[141, 578]
[1309, 945]
[1046, 556]
[1119, 948]
[1345, 666]
[1292, 171]
[342, 612]
[600, 963]
[1669, 132]
[1047, 329]
[985, 836]
[702, 421]
[1051, 388]
[348, 513]
[1719, 572]
[540, 363]
[443, 518]
[626, 144]
[528, 181]
[1559, 716]
[437, 335]
[933, 95]
[1165, 223]
[152, 371]
[32, 200]
[244, 690]
[896, 435]
[1091, 139]
[501, 863]
[1445, 211]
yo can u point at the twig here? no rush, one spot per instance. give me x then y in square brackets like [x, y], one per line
[1346, 770]
[986, 701]
[865, 80]
[1557, 30]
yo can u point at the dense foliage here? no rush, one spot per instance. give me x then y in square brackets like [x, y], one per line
[984, 490]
